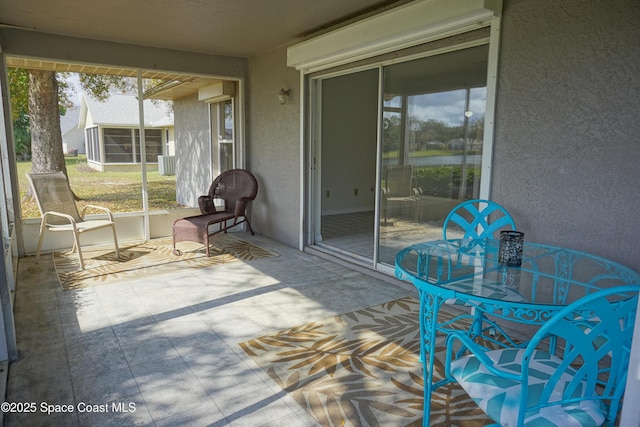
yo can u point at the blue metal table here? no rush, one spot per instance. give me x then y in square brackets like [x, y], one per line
[549, 278]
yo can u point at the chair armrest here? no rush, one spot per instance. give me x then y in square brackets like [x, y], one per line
[206, 205]
[241, 206]
[60, 215]
[99, 208]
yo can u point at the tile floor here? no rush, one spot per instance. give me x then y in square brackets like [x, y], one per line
[353, 233]
[164, 351]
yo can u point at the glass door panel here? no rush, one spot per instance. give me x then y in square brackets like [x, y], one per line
[432, 140]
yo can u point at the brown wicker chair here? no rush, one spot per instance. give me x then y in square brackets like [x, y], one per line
[236, 188]
[60, 212]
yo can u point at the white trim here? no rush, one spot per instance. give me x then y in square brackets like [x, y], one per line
[303, 172]
[143, 159]
[315, 160]
[378, 195]
[489, 127]
[240, 147]
[405, 26]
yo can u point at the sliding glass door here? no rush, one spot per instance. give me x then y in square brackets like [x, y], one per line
[396, 147]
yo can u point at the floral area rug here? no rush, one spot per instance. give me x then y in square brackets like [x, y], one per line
[362, 369]
[150, 258]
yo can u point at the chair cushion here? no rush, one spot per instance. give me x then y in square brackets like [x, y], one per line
[499, 397]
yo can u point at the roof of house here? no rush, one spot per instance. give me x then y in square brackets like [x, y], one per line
[122, 110]
[69, 121]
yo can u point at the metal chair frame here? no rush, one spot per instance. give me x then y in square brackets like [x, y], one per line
[60, 212]
[589, 341]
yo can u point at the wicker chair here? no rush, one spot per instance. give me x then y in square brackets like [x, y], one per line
[236, 188]
[60, 212]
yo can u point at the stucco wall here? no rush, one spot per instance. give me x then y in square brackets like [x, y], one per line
[193, 149]
[566, 154]
[273, 142]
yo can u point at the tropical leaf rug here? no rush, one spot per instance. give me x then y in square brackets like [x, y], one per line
[362, 369]
[154, 257]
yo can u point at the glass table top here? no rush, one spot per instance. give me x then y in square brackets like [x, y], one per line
[549, 275]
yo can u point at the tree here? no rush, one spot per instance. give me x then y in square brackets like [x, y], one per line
[100, 86]
[40, 97]
[19, 83]
[44, 118]
[21, 98]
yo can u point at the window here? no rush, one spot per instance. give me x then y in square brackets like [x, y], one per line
[119, 146]
[226, 134]
[93, 144]
[153, 145]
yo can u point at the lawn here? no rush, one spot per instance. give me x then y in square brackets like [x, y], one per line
[118, 191]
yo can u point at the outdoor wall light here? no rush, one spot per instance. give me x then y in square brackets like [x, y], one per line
[284, 95]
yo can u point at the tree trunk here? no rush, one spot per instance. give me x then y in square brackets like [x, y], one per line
[44, 117]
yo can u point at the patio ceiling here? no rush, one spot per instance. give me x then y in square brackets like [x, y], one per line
[225, 27]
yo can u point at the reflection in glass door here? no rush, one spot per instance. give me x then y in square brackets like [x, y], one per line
[432, 141]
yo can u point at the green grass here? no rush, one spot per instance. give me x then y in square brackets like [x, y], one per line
[118, 191]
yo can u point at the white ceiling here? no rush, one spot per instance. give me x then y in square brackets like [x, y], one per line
[227, 27]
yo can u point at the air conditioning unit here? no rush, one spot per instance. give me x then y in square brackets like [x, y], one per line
[167, 165]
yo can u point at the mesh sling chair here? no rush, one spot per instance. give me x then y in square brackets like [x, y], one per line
[572, 372]
[60, 212]
[398, 189]
[236, 187]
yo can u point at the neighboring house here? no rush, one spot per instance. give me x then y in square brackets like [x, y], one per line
[111, 131]
[72, 134]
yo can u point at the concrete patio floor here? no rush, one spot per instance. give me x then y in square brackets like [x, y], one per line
[164, 351]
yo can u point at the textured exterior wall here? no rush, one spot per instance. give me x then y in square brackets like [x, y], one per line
[193, 149]
[566, 154]
[273, 142]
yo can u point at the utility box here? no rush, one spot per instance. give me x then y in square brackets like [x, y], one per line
[167, 165]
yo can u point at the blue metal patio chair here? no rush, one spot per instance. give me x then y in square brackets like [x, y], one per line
[571, 373]
[477, 219]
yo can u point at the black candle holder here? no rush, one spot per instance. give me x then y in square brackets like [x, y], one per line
[510, 252]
